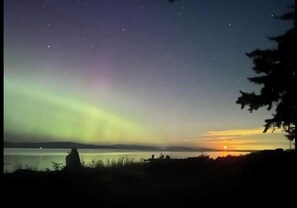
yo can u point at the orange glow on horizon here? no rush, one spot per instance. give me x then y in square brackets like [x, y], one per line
[244, 139]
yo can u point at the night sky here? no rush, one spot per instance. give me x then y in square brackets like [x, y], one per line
[136, 71]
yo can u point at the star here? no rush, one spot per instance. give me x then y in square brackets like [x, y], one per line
[48, 46]
[229, 24]
[123, 29]
[92, 46]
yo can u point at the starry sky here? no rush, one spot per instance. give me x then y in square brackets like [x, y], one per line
[145, 72]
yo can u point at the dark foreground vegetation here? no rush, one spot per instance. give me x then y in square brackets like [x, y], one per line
[264, 178]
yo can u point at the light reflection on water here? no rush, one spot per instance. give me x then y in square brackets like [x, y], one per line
[40, 159]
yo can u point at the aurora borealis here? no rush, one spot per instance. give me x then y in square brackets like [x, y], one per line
[136, 72]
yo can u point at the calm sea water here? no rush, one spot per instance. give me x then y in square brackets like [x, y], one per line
[41, 159]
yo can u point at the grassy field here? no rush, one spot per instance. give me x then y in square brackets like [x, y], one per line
[262, 178]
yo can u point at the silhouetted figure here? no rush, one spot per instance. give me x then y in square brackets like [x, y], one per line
[167, 157]
[72, 160]
[161, 156]
[153, 156]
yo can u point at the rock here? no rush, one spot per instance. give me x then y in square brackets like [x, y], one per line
[72, 160]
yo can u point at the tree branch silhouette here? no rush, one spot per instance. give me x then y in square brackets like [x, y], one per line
[276, 72]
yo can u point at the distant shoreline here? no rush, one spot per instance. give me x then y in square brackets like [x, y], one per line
[148, 150]
[69, 145]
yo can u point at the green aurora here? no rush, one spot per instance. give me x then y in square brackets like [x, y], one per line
[32, 111]
[143, 72]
